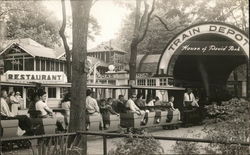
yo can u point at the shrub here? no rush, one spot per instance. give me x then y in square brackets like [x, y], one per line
[137, 146]
[232, 123]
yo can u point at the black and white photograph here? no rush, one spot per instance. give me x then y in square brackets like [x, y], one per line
[124, 77]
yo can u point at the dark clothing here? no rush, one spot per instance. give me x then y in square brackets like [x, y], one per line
[23, 121]
[140, 103]
[121, 108]
[106, 111]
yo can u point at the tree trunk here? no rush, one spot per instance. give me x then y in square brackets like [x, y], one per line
[80, 16]
[132, 65]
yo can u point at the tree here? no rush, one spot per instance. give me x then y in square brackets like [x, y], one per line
[93, 30]
[29, 20]
[80, 18]
[139, 33]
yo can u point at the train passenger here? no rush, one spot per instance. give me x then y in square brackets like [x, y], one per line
[139, 101]
[121, 104]
[92, 107]
[91, 104]
[106, 110]
[65, 104]
[189, 99]
[45, 110]
[13, 103]
[42, 106]
[158, 102]
[171, 103]
[19, 99]
[130, 105]
[23, 121]
[150, 102]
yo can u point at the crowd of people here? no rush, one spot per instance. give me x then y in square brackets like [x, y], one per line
[104, 107]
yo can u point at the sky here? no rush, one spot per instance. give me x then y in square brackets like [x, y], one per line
[108, 15]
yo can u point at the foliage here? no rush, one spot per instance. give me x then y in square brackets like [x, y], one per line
[136, 146]
[186, 148]
[232, 124]
[30, 19]
[179, 14]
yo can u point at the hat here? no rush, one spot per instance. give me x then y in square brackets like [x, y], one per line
[18, 92]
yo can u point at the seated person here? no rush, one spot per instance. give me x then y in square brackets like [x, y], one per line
[171, 103]
[157, 101]
[23, 121]
[150, 103]
[45, 110]
[91, 104]
[106, 110]
[120, 105]
[130, 105]
[92, 107]
[139, 101]
[42, 106]
[189, 99]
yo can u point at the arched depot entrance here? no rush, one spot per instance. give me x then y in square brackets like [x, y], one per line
[204, 55]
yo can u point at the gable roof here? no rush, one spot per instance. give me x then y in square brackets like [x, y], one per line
[37, 50]
[32, 47]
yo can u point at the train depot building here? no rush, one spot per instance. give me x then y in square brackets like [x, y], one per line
[202, 56]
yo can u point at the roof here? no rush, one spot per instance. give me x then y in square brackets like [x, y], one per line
[106, 46]
[32, 47]
[37, 50]
[148, 62]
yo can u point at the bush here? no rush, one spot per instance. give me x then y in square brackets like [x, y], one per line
[232, 123]
[137, 146]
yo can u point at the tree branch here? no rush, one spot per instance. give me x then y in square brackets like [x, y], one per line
[65, 43]
[143, 18]
[165, 25]
[147, 22]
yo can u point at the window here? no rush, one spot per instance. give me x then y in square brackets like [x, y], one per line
[163, 82]
[42, 65]
[37, 64]
[29, 64]
[47, 65]
[57, 66]
[61, 66]
[51, 92]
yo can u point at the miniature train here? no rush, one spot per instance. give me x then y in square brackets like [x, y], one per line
[167, 119]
